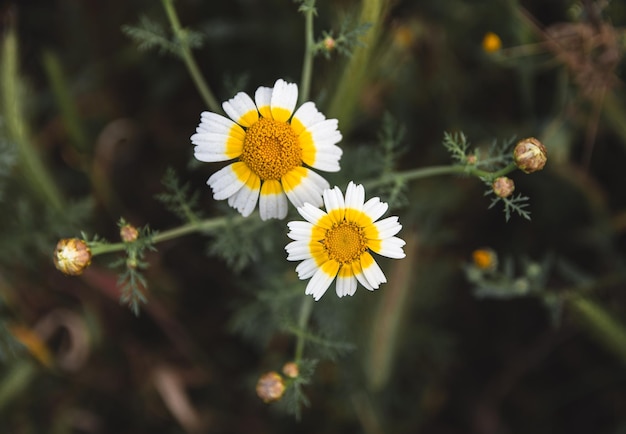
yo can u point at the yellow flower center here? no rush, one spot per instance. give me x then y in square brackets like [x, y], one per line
[271, 149]
[345, 242]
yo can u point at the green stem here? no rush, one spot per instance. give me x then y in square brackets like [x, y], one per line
[190, 62]
[215, 223]
[426, 172]
[305, 313]
[207, 225]
[61, 91]
[309, 52]
[31, 165]
[607, 329]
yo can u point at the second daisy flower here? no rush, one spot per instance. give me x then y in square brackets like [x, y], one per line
[272, 146]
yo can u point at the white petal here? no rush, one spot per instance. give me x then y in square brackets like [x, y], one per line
[298, 250]
[307, 115]
[392, 248]
[301, 190]
[246, 198]
[311, 213]
[326, 158]
[284, 98]
[374, 208]
[374, 275]
[241, 109]
[333, 199]
[225, 183]
[355, 196]
[300, 230]
[272, 206]
[306, 268]
[346, 286]
[363, 281]
[214, 123]
[263, 98]
[325, 133]
[318, 284]
[387, 227]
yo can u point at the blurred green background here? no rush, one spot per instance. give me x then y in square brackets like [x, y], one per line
[454, 363]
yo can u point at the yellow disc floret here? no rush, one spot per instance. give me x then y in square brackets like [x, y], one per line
[271, 149]
[345, 242]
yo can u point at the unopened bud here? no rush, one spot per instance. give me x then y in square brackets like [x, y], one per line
[485, 259]
[503, 186]
[530, 155]
[72, 256]
[290, 369]
[491, 42]
[329, 43]
[471, 159]
[270, 387]
[129, 233]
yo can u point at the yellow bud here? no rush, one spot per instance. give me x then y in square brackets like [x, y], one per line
[72, 256]
[485, 259]
[270, 387]
[491, 42]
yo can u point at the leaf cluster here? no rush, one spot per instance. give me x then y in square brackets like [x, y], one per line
[177, 198]
[151, 35]
[131, 280]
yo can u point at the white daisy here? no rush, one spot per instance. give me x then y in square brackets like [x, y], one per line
[272, 146]
[337, 243]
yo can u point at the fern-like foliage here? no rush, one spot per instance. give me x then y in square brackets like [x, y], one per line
[151, 35]
[177, 198]
[512, 204]
[131, 281]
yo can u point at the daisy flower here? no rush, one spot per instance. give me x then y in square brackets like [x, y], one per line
[273, 148]
[337, 243]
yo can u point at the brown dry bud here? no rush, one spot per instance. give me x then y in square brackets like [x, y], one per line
[290, 369]
[72, 256]
[270, 387]
[503, 186]
[129, 233]
[530, 155]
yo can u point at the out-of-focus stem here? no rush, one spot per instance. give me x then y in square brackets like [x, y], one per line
[190, 62]
[309, 53]
[34, 171]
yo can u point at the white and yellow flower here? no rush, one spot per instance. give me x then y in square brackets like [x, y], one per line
[337, 243]
[274, 148]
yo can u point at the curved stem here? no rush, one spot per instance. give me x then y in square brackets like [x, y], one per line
[190, 62]
[307, 64]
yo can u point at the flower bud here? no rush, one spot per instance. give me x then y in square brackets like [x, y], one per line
[503, 186]
[72, 256]
[485, 259]
[290, 369]
[530, 155]
[270, 387]
[491, 42]
[329, 43]
[129, 233]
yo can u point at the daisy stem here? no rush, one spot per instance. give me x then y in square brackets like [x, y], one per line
[309, 52]
[425, 172]
[207, 225]
[305, 313]
[185, 52]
